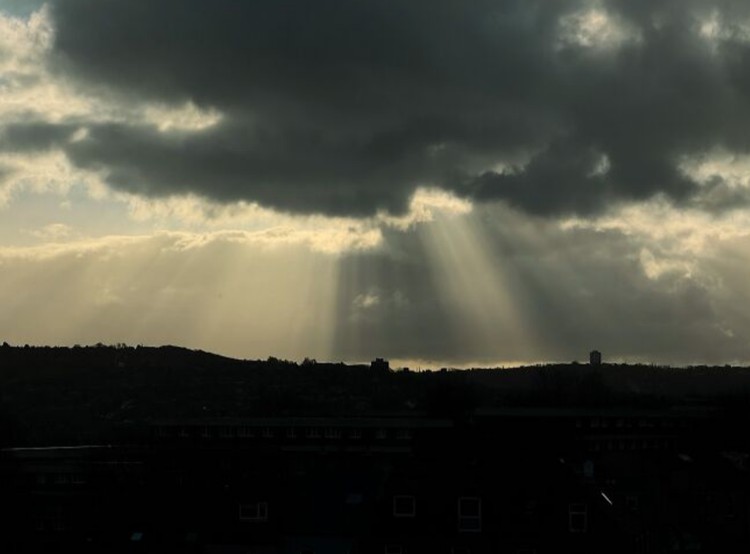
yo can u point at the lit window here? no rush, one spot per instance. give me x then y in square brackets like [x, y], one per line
[404, 506]
[577, 518]
[470, 514]
[255, 511]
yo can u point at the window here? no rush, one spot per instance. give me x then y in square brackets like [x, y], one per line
[354, 498]
[226, 432]
[403, 434]
[577, 518]
[588, 469]
[313, 433]
[394, 549]
[381, 434]
[332, 433]
[291, 433]
[245, 431]
[469, 514]
[404, 506]
[266, 432]
[254, 511]
[355, 434]
[62, 479]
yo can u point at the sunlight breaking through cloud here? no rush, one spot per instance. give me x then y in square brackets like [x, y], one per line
[472, 284]
[161, 289]
[594, 28]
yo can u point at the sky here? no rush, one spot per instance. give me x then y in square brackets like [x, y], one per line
[435, 182]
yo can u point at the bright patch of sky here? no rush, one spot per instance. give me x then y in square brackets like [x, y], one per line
[20, 8]
[446, 280]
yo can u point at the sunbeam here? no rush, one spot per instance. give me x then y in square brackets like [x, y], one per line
[475, 291]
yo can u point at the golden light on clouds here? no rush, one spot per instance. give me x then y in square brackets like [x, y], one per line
[579, 182]
[595, 28]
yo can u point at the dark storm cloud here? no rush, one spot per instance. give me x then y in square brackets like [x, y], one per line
[33, 137]
[574, 291]
[345, 107]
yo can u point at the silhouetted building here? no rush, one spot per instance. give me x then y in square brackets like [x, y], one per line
[380, 364]
[347, 460]
[628, 480]
[595, 358]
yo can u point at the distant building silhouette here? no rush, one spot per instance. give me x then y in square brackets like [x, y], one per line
[595, 358]
[380, 364]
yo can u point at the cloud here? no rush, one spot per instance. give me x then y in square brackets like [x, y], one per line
[651, 283]
[230, 293]
[54, 232]
[488, 180]
[346, 108]
[655, 284]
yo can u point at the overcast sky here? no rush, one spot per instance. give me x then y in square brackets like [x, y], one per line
[436, 182]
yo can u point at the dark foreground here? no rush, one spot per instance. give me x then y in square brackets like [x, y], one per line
[167, 450]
